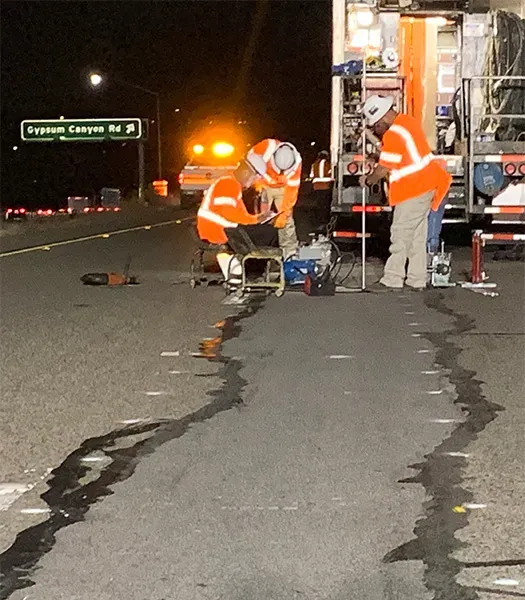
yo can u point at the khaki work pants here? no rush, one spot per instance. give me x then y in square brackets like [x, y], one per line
[408, 240]
[287, 235]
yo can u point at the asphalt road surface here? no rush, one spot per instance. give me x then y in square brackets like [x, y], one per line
[158, 445]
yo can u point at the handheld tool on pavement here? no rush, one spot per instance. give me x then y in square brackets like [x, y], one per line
[111, 278]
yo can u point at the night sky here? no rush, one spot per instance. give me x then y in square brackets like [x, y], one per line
[267, 61]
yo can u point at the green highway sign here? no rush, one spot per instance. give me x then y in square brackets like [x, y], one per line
[82, 130]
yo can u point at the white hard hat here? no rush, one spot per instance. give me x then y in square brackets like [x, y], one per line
[376, 107]
[256, 162]
[284, 157]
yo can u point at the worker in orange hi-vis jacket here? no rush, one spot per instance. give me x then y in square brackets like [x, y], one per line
[280, 185]
[222, 212]
[418, 183]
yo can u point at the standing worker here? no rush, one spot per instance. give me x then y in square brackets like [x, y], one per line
[418, 183]
[222, 212]
[321, 175]
[280, 186]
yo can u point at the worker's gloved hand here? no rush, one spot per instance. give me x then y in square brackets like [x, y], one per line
[281, 219]
[362, 181]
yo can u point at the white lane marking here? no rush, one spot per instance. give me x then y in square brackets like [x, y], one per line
[434, 392]
[429, 372]
[423, 351]
[409, 312]
[89, 237]
[132, 421]
[445, 421]
[474, 506]
[176, 353]
[155, 393]
[177, 372]
[35, 511]
[9, 492]
[414, 324]
[89, 459]
[416, 335]
[339, 356]
[504, 581]
[457, 454]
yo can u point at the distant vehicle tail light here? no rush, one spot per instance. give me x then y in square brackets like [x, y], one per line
[116, 209]
[100, 209]
[352, 168]
[22, 211]
[39, 212]
[86, 210]
[9, 211]
[510, 169]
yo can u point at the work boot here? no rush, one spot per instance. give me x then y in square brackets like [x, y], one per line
[412, 288]
[379, 288]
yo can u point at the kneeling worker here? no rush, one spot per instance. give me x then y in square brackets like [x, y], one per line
[280, 184]
[222, 211]
[418, 183]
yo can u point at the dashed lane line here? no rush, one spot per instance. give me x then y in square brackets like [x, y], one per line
[106, 234]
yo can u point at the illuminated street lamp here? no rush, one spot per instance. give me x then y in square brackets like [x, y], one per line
[97, 79]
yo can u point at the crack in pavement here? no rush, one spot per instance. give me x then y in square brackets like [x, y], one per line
[70, 497]
[441, 474]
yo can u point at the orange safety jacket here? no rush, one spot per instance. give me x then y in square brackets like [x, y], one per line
[289, 180]
[412, 167]
[221, 207]
[321, 174]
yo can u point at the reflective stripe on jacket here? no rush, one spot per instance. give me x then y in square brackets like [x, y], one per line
[321, 174]
[290, 179]
[414, 170]
[222, 206]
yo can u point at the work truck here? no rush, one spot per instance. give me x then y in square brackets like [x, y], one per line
[214, 147]
[461, 73]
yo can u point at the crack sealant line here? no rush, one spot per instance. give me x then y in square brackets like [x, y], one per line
[87, 238]
[69, 499]
[441, 473]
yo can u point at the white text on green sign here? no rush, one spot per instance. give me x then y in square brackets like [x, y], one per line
[77, 130]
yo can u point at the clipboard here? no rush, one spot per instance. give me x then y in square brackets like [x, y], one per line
[271, 217]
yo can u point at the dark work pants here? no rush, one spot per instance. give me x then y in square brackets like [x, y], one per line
[323, 201]
[244, 238]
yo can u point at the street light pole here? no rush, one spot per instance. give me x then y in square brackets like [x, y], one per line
[97, 79]
[157, 98]
[159, 147]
